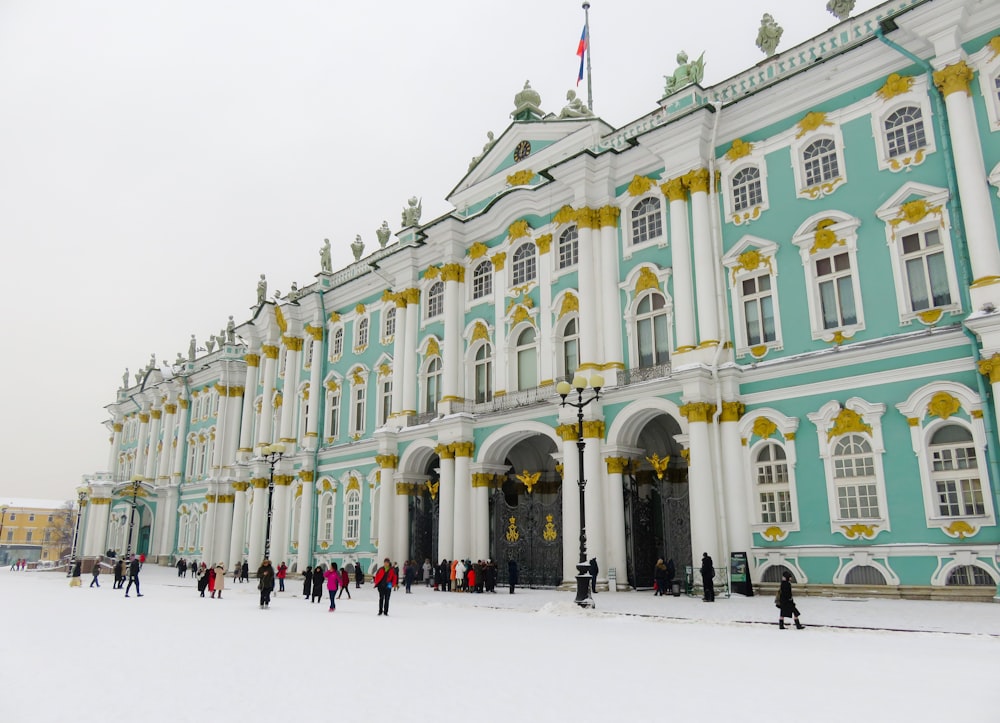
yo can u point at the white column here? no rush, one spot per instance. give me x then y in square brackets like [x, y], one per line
[279, 518]
[305, 516]
[166, 531]
[680, 247]
[446, 502]
[615, 518]
[454, 307]
[401, 531]
[250, 394]
[399, 372]
[290, 396]
[973, 189]
[166, 457]
[547, 354]
[149, 473]
[735, 488]
[177, 473]
[571, 500]
[264, 433]
[258, 520]
[499, 314]
[224, 529]
[595, 494]
[232, 427]
[611, 311]
[317, 394]
[480, 516]
[386, 504]
[463, 499]
[116, 445]
[238, 531]
[140, 448]
[704, 258]
[704, 518]
[97, 526]
[410, 352]
[588, 225]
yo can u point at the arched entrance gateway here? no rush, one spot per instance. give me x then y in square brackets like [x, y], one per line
[424, 511]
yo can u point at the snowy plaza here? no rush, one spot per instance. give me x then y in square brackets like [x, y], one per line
[92, 655]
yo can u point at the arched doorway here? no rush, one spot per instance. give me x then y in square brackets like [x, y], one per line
[424, 513]
[657, 512]
[526, 514]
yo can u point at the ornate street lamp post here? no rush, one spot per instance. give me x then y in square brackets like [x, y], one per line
[271, 454]
[136, 484]
[81, 495]
[583, 596]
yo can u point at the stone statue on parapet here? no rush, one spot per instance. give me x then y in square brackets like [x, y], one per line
[192, 348]
[842, 9]
[358, 247]
[231, 331]
[574, 108]
[383, 233]
[152, 362]
[686, 73]
[138, 377]
[411, 214]
[294, 294]
[325, 263]
[261, 290]
[210, 344]
[769, 35]
[125, 379]
[490, 140]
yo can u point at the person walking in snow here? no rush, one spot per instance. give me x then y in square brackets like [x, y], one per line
[318, 578]
[307, 581]
[332, 584]
[96, 572]
[345, 583]
[385, 580]
[282, 571]
[220, 579]
[512, 574]
[245, 572]
[133, 577]
[119, 571]
[409, 573]
[786, 603]
[359, 575]
[265, 583]
[427, 569]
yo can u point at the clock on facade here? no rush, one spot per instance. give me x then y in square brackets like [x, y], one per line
[522, 151]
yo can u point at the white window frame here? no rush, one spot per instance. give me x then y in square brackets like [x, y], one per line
[871, 415]
[434, 301]
[917, 97]
[336, 342]
[484, 281]
[326, 518]
[649, 217]
[427, 403]
[988, 65]
[845, 229]
[473, 365]
[736, 263]
[665, 311]
[359, 406]
[515, 350]
[385, 399]
[363, 333]
[627, 287]
[560, 346]
[783, 435]
[629, 205]
[568, 248]
[923, 424]
[332, 421]
[524, 270]
[389, 323]
[798, 146]
[897, 227]
[352, 515]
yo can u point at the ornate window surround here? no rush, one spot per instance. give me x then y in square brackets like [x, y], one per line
[758, 428]
[987, 64]
[917, 96]
[628, 204]
[749, 257]
[727, 172]
[628, 287]
[799, 143]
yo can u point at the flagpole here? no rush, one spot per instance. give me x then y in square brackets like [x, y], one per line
[586, 23]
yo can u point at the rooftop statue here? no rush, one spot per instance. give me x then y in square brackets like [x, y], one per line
[686, 73]
[138, 377]
[841, 8]
[231, 330]
[490, 140]
[326, 265]
[210, 344]
[125, 379]
[358, 247]
[574, 108]
[527, 104]
[293, 294]
[192, 348]
[769, 35]
[261, 290]
[383, 233]
[411, 214]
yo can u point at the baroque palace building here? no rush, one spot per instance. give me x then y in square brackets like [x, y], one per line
[789, 281]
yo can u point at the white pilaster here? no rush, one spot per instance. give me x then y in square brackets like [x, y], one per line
[704, 259]
[239, 531]
[410, 352]
[611, 309]
[399, 357]
[250, 394]
[615, 518]
[280, 517]
[571, 501]
[590, 330]
[463, 500]
[290, 397]
[704, 518]
[258, 521]
[680, 246]
[735, 488]
[264, 432]
[454, 306]
[305, 517]
[446, 503]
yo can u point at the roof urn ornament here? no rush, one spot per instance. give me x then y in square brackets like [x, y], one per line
[383, 233]
[769, 35]
[357, 247]
[411, 214]
[527, 104]
[842, 9]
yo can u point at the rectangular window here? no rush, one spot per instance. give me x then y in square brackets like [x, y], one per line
[775, 507]
[858, 502]
[359, 410]
[836, 291]
[333, 416]
[27, 537]
[385, 408]
[960, 497]
[926, 274]
[758, 310]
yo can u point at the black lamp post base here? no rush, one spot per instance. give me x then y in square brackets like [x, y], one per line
[583, 596]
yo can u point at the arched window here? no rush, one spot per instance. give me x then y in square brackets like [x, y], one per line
[570, 349]
[484, 374]
[523, 266]
[435, 300]
[904, 131]
[363, 332]
[526, 353]
[482, 280]
[854, 479]
[389, 330]
[864, 575]
[955, 472]
[568, 248]
[820, 161]
[326, 519]
[771, 479]
[970, 575]
[746, 189]
[651, 330]
[352, 515]
[775, 573]
[432, 384]
[332, 426]
[647, 221]
[337, 348]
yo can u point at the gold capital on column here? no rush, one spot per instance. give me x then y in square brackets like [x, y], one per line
[593, 429]
[674, 189]
[293, 343]
[252, 360]
[283, 480]
[616, 465]
[588, 218]
[991, 368]
[698, 411]
[387, 461]
[464, 449]
[498, 260]
[544, 243]
[412, 296]
[170, 408]
[259, 483]
[482, 479]
[241, 486]
[144, 418]
[118, 426]
[453, 272]
[568, 432]
[954, 78]
[307, 475]
[732, 411]
[608, 215]
[156, 413]
[697, 180]
[445, 451]
[270, 351]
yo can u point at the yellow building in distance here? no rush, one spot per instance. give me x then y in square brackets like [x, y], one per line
[39, 531]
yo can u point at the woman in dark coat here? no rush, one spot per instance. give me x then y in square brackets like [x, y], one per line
[786, 603]
[265, 583]
[512, 574]
[660, 577]
[307, 581]
[707, 575]
[359, 575]
[318, 579]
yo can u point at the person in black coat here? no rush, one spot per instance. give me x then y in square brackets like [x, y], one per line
[512, 574]
[133, 577]
[119, 573]
[245, 572]
[265, 583]
[786, 603]
[671, 574]
[318, 579]
[359, 575]
[707, 575]
[593, 574]
[660, 577]
[307, 581]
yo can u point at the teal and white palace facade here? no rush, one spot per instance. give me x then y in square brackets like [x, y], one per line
[789, 281]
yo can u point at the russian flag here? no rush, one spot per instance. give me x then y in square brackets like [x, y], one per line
[581, 50]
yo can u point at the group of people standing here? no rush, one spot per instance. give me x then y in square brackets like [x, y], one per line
[466, 576]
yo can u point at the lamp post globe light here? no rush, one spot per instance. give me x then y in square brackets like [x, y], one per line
[81, 495]
[564, 389]
[136, 484]
[271, 454]
[3, 516]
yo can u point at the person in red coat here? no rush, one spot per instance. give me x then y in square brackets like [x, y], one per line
[385, 580]
[345, 583]
[282, 571]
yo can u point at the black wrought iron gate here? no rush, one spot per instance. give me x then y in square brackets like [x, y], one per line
[657, 523]
[423, 527]
[529, 532]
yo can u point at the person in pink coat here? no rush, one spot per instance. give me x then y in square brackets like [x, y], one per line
[282, 572]
[332, 584]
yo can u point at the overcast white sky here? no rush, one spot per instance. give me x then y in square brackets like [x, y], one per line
[157, 156]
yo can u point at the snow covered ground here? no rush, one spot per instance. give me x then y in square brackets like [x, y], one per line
[88, 655]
